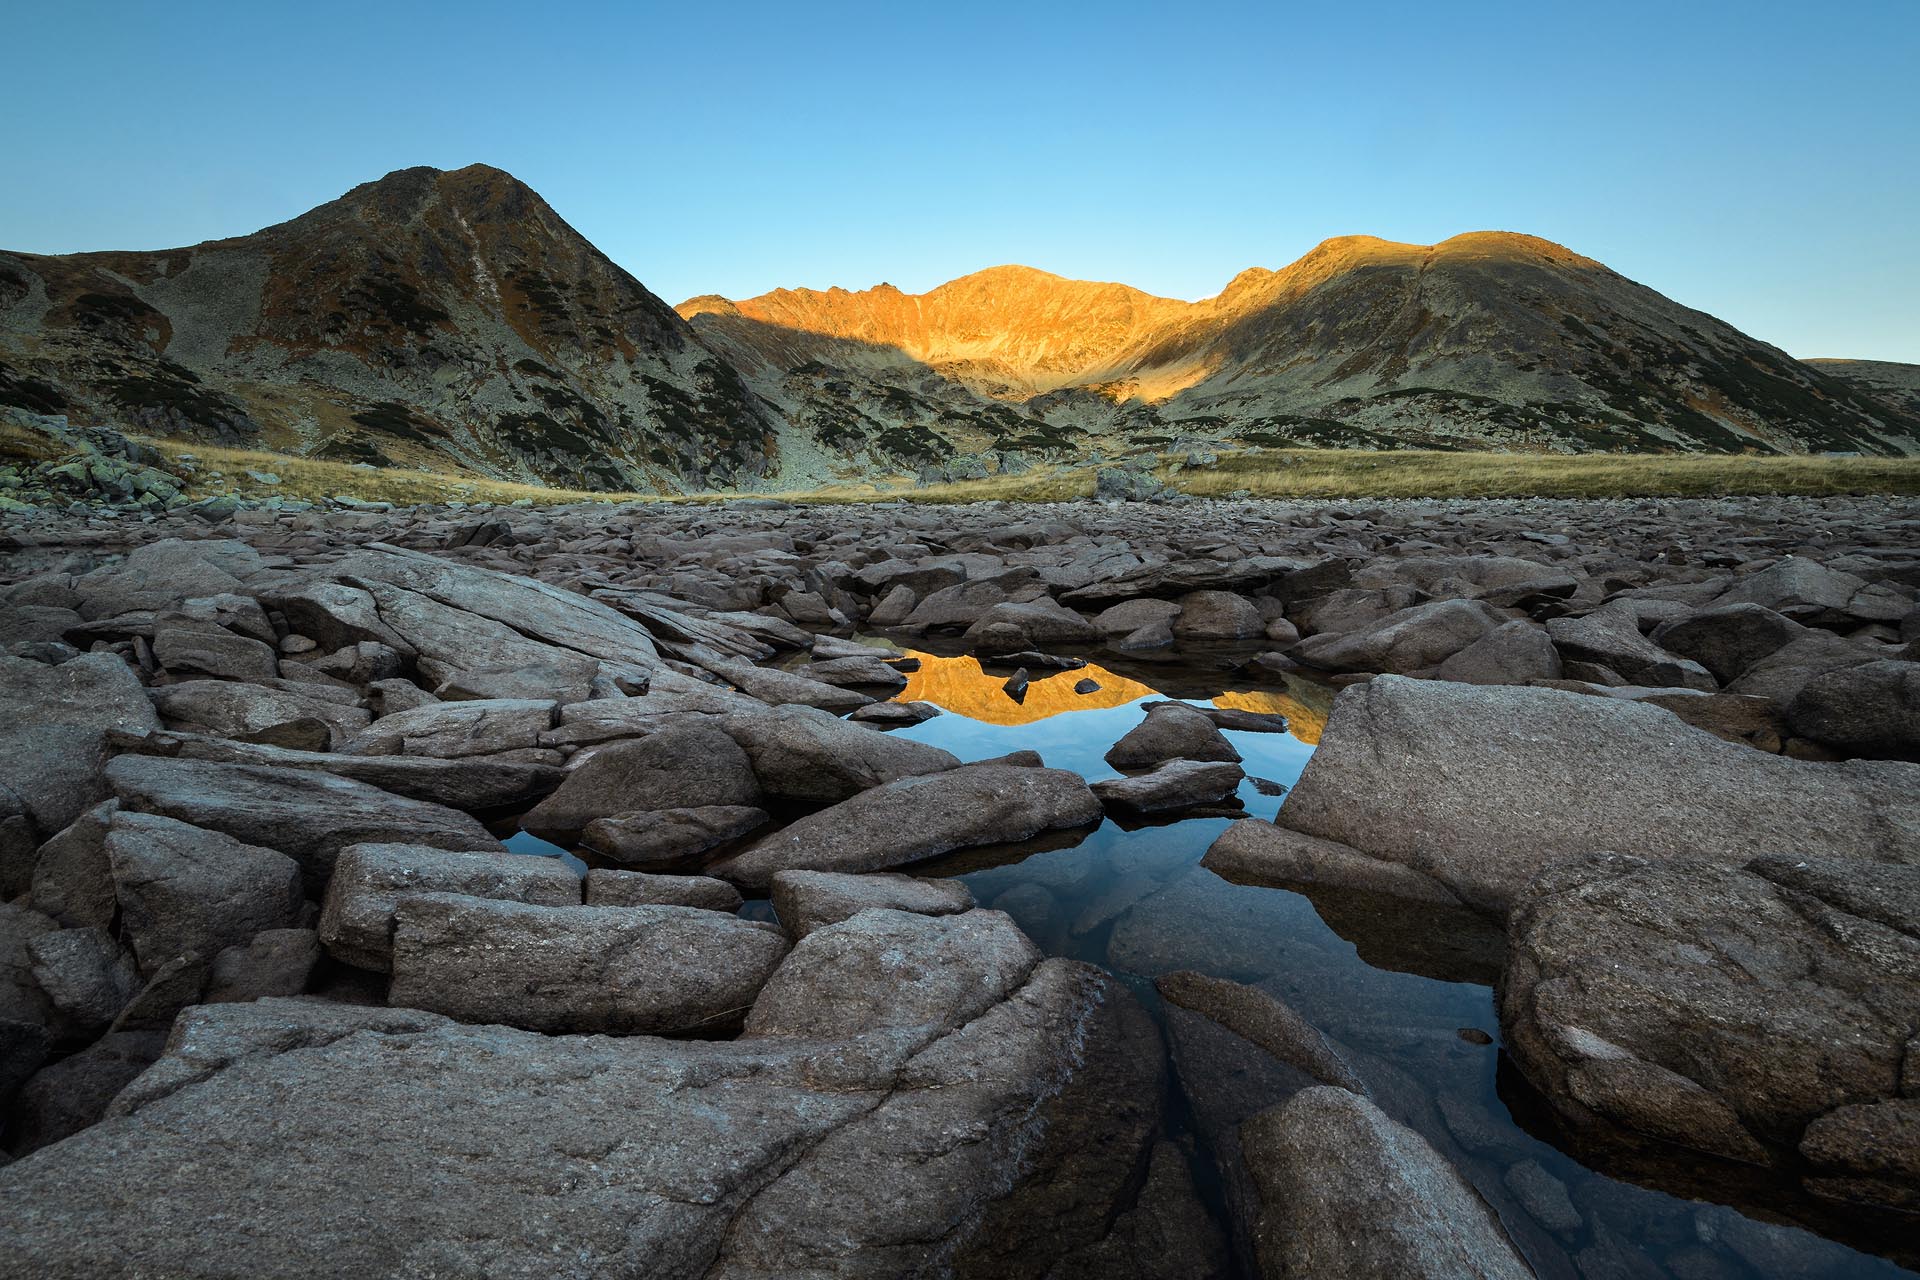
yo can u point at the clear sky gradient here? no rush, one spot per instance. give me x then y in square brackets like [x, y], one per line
[1757, 160]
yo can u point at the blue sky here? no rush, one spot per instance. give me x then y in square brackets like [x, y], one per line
[1757, 160]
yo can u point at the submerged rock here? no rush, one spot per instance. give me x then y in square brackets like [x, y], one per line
[1347, 1191]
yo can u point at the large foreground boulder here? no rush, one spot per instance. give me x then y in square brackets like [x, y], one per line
[419, 1146]
[918, 818]
[1724, 1008]
[1347, 1191]
[1481, 787]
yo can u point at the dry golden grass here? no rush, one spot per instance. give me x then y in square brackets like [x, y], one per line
[312, 479]
[21, 446]
[1339, 473]
[1052, 484]
[1276, 473]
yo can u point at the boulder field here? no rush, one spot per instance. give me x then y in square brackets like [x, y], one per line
[277, 996]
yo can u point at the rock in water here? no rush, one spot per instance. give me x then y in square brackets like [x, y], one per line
[1171, 731]
[1177, 784]
[1259, 1018]
[1347, 1191]
[1722, 1008]
[1480, 787]
[918, 818]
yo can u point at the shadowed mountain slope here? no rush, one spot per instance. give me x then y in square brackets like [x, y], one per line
[429, 317]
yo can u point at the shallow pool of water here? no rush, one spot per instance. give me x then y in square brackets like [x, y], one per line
[1393, 987]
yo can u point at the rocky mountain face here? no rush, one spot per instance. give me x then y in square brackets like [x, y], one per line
[445, 319]
[1487, 340]
[453, 321]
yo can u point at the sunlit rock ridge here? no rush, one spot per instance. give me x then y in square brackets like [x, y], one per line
[452, 321]
[1489, 339]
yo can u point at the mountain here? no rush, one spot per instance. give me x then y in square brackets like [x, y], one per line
[453, 321]
[432, 318]
[1486, 340]
[1887, 380]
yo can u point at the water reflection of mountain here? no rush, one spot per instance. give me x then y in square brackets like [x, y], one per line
[958, 684]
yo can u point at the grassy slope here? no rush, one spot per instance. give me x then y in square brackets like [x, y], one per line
[1288, 473]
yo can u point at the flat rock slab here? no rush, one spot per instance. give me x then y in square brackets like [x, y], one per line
[369, 880]
[918, 818]
[1481, 787]
[308, 815]
[594, 969]
[809, 900]
[475, 786]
